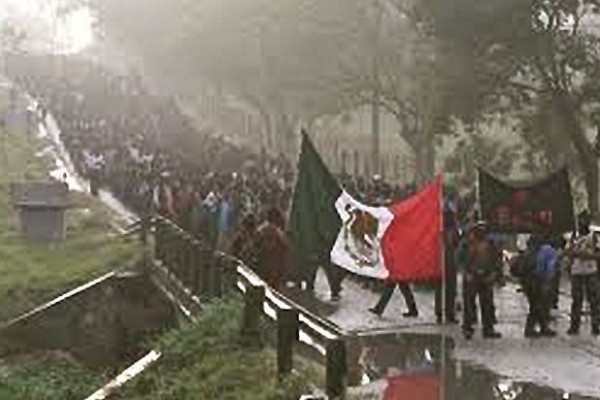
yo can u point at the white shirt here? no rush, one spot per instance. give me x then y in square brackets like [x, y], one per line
[583, 266]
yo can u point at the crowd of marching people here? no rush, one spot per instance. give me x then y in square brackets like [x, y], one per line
[139, 146]
[538, 268]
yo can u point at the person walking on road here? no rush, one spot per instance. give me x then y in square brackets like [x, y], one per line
[307, 267]
[407, 293]
[537, 266]
[481, 264]
[547, 262]
[273, 249]
[584, 275]
[244, 244]
[451, 241]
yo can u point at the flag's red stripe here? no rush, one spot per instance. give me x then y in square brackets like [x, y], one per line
[411, 244]
[413, 387]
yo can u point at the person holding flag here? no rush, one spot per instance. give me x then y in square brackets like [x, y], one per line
[386, 295]
[313, 221]
[397, 243]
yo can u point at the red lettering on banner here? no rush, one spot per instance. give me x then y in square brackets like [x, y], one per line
[546, 217]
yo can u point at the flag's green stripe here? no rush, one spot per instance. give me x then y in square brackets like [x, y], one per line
[314, 221]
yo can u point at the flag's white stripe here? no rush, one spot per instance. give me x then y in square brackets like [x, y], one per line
[340, 254]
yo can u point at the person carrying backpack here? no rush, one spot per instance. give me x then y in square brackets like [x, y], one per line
[584, 253]
[539, 267]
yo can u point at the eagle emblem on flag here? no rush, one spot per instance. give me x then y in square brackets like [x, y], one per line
[360, 237]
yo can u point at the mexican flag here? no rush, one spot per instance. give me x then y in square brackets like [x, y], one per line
[397, 243]
[314, 221]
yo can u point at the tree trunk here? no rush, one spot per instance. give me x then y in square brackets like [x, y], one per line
[281, 132]
[584, 148]
[267, 130]
[267, 121]
[375, 134]
[425, 161]
[289, 136]
[421, 140]
[592, 186]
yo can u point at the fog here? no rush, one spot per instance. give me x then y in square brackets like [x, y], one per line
[194, 108]
[441, 84]
[49, 26]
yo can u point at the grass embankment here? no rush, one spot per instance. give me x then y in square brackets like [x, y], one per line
[47, 376]
[203, 361]
[207, 361]
[32, 273]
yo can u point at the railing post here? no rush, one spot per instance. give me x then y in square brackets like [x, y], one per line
[173, 241]
[206, 265]
[159, 240]
[189, 262]
[145, 224]
[170, 240]
[216, 277]
[197, 260]
[253, 309]
[353, 353]
[335, 368]
[229, 274]
[287, 335]
[179, 253]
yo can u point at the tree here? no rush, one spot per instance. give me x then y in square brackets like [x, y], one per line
[11, 38]
[481, 147]
[532, 54]
[296, 60]
[398, 64]
[276, 56]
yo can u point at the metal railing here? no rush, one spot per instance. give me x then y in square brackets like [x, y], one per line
[204, 273]
[188, 259]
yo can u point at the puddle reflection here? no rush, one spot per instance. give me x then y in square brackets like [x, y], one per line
[420, 367]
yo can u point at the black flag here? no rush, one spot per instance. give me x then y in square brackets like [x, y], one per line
[545, 205]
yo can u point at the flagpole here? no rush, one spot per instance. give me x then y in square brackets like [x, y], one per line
[477, 205]
[443, 294]
[291, 201]
[442, 254]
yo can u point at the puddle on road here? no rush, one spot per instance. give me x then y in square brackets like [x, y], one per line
[414, 367]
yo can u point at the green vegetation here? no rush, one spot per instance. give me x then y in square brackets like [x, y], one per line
[207, 361]
[47, 377]
[33, 273]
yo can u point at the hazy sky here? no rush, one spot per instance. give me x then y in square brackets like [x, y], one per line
[49, 29]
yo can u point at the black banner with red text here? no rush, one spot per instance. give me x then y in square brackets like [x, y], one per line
[545, 205]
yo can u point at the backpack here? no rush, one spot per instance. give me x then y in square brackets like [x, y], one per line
[524, 265]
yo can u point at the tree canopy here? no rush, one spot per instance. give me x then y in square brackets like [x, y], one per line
[428, 63]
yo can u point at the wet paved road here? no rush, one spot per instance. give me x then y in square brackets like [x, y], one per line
[571, 364]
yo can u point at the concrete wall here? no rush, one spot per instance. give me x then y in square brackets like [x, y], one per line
[101, 326]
